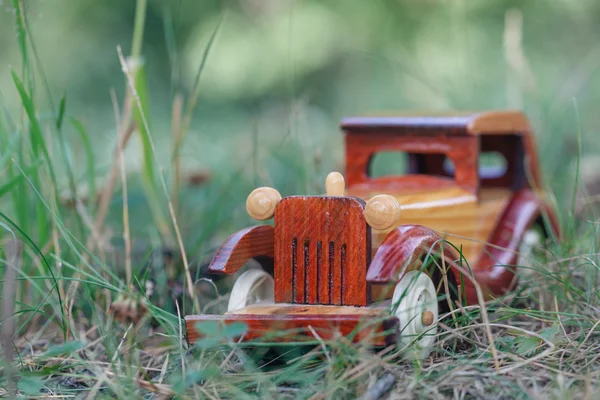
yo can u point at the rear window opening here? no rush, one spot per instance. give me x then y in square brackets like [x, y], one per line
[492, 165]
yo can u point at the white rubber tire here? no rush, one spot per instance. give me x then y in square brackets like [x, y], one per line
[252, 287]
[414, 294]
[532, 239]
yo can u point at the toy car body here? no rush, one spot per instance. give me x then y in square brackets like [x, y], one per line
[333, 268]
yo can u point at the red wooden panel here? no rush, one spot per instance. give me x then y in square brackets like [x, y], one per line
[241, 247]
[462, 150]
[380, 331]
[322, 250]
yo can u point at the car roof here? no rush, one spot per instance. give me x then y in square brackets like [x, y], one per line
[471, 123]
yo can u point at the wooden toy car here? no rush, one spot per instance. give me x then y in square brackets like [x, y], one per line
[355, 262]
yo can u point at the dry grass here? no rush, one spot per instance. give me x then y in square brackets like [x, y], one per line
[545, 335]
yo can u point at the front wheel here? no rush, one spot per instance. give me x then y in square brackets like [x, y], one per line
[415, 304]
[252, 287]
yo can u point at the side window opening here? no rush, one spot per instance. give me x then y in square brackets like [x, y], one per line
[388, 163]
[398, 163]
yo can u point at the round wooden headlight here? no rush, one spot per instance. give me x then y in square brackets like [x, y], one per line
[382, 211]
[261, 203]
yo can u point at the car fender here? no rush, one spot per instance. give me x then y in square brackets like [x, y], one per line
[255, 242]
[402, 247]
[496, 265]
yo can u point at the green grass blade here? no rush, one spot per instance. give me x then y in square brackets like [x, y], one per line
[22, 39]
[90, 159]
[47, 266]
[38, 142]
[64, 147]
[13, 183]
[138, 28]
[61, 112]
[71, 240]
[38, 146]
[141, 110]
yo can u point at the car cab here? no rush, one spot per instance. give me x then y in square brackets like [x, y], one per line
[472, 177]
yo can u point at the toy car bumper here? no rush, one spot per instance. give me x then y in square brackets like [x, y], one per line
[285, 323]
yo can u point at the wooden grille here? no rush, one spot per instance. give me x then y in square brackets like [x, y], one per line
[322, 251]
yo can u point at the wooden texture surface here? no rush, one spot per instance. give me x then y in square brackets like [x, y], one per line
[294, 328]
[261, 203]
[462, 150]
[451, 211]
[253, 242]
[437, 128]
[322, 250]
[494, 269]
[335, 184]
[308, 309]
[493, 266]
[467, 224]
[471, 123]
[382, 211]
[402, 248]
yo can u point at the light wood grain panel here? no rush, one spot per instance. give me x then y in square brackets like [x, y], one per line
[295, 309]
[452, 212]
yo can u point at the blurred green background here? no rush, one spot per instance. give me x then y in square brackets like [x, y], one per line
[281, 74]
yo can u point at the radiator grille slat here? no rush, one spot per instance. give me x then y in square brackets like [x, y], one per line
[294, 268]
[301, 275]
[330, 272]
[342, 272]
[306, 269]
[319, 281]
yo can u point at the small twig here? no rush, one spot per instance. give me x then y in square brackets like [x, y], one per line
[163, 371]
[444, 271]
[176, 132]
[212, 302]
[181, 338]
[121, 343]
[126, 235]
[59, 264]
[592, 329]
[232, 352]
[322, 343]
[126, 129]
[562, 327]
[381, 387]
